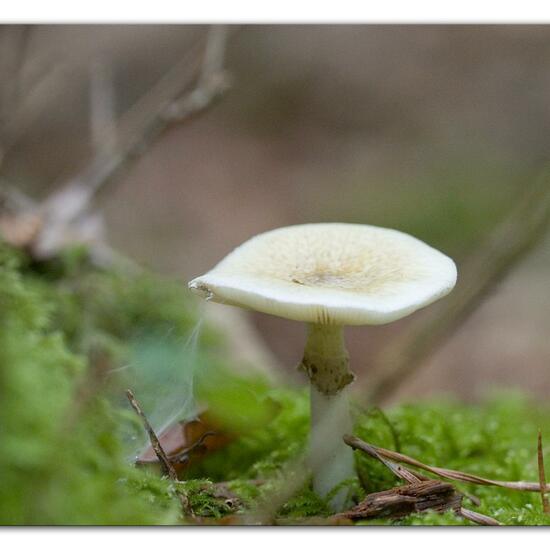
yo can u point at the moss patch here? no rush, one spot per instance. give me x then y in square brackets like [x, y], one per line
[496, 439]
[64, 328]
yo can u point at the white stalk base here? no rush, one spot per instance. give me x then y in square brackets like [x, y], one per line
[331, 460]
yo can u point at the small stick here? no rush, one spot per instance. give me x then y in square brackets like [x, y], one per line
[155, 443]
[542, 477]
[159, 451]
[407, 475]
[478, 518]
[456, 475]
[183, 456]
[405, 500]
[398, 470]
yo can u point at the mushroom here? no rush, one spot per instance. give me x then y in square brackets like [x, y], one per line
[330, 275]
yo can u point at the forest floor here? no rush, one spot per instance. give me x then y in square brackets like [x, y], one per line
[73, 338]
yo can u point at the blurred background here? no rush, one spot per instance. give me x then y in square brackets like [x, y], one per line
[435, 130]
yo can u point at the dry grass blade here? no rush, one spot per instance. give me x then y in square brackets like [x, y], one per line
[456, 475]
[478, 518]
[397, 469]
[542, 476]
[155, 443]
[159, 451]
[407, 475]
[453, 501]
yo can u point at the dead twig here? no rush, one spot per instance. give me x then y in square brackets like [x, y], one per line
[159, 451]
[213, 80]
[405, 474]
[452, 501]
[66, 215]
[478, 518]
[524, 227]
[397, 469]
[542, 476]
[137, 130]
[183, 456]
[407, 499]
[155, 443]
[455, 475]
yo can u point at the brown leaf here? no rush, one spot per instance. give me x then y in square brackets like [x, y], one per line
[187, 442]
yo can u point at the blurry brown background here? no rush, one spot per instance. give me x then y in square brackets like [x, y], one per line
[435, 130]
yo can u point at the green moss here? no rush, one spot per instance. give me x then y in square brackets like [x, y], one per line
[61, 460]
[106, 311]
[305, 504]
[261, 451]
[496, 439]
[65, 329]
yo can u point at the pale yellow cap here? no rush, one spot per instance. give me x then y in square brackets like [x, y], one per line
[331, 273]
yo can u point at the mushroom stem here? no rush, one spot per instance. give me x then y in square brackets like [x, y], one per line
[326, 362]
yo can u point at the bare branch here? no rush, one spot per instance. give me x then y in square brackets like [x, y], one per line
[137, 130]
[213, 79]
[506, 246]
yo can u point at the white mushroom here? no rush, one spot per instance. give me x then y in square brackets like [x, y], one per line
[330, 275]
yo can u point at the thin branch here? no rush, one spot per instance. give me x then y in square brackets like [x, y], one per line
[137, 131]
[213, 79]
[415, 478]
[159, 451]
[148, 118]
[403, 473]
[542, 476]
[398, 470]
[456, 475]
[155, 443]
[506, 246]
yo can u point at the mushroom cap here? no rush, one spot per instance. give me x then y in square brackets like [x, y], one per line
[331, 273]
